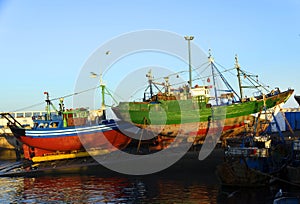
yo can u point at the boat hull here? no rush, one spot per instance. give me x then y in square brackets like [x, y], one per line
[168, 118]
[238, 174]
[69, 139]
[53, 144]
[293, 174]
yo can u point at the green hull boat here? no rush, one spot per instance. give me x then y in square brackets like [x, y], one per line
[189, 112]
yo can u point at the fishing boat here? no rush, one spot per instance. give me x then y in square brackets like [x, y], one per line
[258, 158]
[67, 131]
[293, 169]
[191, 110]
[255, 162]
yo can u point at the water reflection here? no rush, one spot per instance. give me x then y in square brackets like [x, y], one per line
[73, 189]
[180, 187]
[94, 189]
[230, 195]
[10, 189]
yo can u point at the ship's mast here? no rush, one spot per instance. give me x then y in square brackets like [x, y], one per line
[167, 85]
[211, 61]
[150, 81]
[61, 106]
[48, 102]
[189, 38]
[102, 85]
[254, 83]
[237, 66]
[104, 91]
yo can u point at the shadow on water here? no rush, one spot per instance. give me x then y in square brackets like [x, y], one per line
[126, 189]
[188, 181]
[267, 194]
[95, 189]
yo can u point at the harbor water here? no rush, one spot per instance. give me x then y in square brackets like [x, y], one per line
[185, 182]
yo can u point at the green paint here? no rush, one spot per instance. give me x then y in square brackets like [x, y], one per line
[192, 110]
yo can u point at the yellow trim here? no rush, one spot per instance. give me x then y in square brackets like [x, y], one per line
[69, 156]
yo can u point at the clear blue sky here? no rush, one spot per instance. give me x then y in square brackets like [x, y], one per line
[44, 44]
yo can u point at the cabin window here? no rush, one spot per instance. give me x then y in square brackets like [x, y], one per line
[41, 125]
[28, 114]
[20, 115]
[36, 114]
[53, 125]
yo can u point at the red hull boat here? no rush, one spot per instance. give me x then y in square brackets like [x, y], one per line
[68, 131]
[73, 138]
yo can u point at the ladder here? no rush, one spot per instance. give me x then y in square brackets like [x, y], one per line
[11, 120]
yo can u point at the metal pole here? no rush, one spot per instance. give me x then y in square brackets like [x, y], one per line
[237, 66]
[189, 38]
[214, 78]
[103, 97]
[47, 117]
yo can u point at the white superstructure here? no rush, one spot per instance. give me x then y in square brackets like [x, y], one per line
[23, 117]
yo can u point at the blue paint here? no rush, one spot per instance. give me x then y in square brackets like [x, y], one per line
[293, 119]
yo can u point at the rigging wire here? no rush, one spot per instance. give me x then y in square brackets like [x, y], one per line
[249, 82]
[54, 99]
[184, 71]
[27, 107]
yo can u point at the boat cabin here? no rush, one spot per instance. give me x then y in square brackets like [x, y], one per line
[56, 122]
[69, 118]
[227, 98]
[200, 91]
